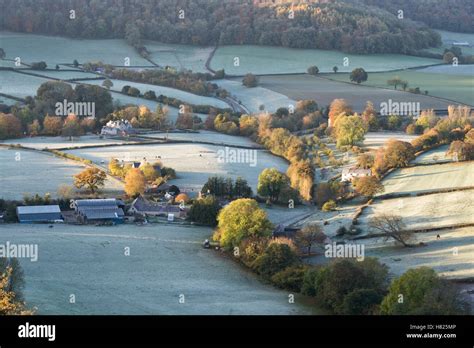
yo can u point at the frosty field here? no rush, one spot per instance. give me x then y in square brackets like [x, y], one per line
[324, 91]
[19, 85]
[165, 261]
[39, 173]
[436, 210]
[66, 75]
[179, 56]
[448, 37]
[59, 50]
[255, 59]
[437, 155]
[253, 98]
[40, 143]
[459, 88]
[374, 140]
[194, 163]
[429, 178]
[168, 92]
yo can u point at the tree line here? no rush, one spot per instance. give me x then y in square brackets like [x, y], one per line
[336, 25]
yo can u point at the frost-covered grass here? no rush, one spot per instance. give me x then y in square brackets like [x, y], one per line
[165, 261]
[7, 101]
[60, 142]
[436, 210]
[254, 98]
[39, 173]
[428, 178]
[450, 69]
[166, 91]
[277, 60]
[19, 85]
[60, 50]
[448, 37]
[437, 155]
[179, 56]
[194, 163]
[207, 136]
[374, 140]
[66, 75]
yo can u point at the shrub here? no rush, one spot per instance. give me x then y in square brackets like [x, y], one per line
[361, 301]
[329, 206]
[275, 258]
[291, 278]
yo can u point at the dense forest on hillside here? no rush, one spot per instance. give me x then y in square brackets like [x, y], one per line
[337, 24]
[452, 15]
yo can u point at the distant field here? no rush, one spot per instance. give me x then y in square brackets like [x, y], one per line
[275, 60]
[449, 69]
[428, 178]
[59, 50]
[324, 91]
[19, 85]
[41, 143]
[253, 98]
[375, 140]
[179, 56]
[39, 173]
[166, 91]
[454, 87]
[194, 163]
[448, 37]
[7, 101]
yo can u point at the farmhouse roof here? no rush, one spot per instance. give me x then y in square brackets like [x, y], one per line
[39, 209]
[143, 205]
[110, 202]
[103, 213]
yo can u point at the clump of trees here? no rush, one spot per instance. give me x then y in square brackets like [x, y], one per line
[205, 210]
[250, 80]
[135, 182]
[222, 187]
[11, 288]
[368, 186]
[358, 75]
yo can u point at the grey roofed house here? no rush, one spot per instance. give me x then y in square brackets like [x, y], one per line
[142, 206]
[38, 213]
[100, 209]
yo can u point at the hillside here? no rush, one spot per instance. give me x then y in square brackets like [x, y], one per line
[339, 25]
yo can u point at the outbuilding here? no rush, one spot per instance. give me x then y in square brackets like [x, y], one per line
[38, 213]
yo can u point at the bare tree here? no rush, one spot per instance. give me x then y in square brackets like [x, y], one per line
[391, 226]
[308, 236]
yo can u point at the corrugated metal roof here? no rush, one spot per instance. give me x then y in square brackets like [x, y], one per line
[106, 213]
[97, 202]
[38, 209]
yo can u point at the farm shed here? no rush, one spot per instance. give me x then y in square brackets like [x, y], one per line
[144, 207]
[99, 210]
[38, 213]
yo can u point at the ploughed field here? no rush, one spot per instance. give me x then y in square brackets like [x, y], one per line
[165, 261]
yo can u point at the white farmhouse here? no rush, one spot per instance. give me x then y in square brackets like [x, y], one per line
[117, 128]
[350, 173]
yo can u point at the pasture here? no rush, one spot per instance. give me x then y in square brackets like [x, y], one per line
[254, 98]
[194, 163]
[41, 142]
[60, 50]
[165, 261]
[324, 91]
[428, 178]
[459, 88]
[277, 60]
[179, 56]
[186, 97]
[66, 75]
[19, 85]
[374, 140]
[437, 155]
[27, 172]
[448, 37]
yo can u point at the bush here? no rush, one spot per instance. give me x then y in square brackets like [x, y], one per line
[291, 278]
[309, 279]
[275, 258]
[204, 211]
[329, 206]
[361, 301]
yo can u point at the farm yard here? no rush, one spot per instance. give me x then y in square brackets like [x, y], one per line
[455, 87]
[324, 91]
[254, 59]
[193, 163]
[60, 50]
[72, 256]
[27, 172]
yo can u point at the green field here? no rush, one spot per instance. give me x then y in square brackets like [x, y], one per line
[324, 91]
[458, 88]
[59, 50]
[277, 60]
